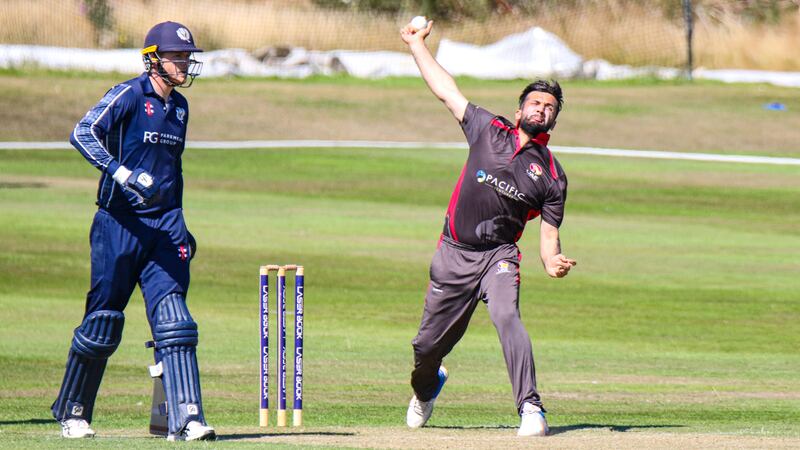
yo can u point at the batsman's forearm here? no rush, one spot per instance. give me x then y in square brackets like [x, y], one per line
[89, 134]
[89, 142]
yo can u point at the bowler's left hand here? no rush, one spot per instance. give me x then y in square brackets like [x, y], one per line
[558, 266]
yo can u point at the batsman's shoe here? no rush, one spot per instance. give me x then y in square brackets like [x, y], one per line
[532, 421]
[76, 429]
[194, 431]
[418, 411]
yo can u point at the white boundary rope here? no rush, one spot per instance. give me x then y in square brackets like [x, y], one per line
[232, 145]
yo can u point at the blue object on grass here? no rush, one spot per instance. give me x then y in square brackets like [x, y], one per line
[775, 106]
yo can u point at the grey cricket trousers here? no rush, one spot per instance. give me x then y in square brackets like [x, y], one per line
[462, 276]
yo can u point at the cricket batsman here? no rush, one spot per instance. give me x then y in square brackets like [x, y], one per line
[135, 136]
[509, 178]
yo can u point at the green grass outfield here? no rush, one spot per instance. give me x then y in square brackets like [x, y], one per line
[682, 317]
[645, 114]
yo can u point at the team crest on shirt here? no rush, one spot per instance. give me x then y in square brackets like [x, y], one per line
[535, 171]
[180, 113]
[502, 267]
[148, 108]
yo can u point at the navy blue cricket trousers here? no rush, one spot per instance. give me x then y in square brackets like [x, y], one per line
[128, 249]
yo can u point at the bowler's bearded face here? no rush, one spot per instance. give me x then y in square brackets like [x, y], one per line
[537, 114]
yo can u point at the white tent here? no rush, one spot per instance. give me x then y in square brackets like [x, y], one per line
[530, 54]
[534, 53]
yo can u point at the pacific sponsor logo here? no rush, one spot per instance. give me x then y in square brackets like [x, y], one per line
[154, 137]
[535, 171]
[192, 409]
[77, 410]
[503, 187]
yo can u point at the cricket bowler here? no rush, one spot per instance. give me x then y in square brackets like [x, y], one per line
[135, 136]
[510, 177]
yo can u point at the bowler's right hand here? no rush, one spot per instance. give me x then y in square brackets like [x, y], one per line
[409, 34]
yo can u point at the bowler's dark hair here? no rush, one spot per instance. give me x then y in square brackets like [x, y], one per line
[551, 87]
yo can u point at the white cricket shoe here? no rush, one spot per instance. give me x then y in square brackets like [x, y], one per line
[419, 412]
[194, 431]
[532, 421]
[76, 429]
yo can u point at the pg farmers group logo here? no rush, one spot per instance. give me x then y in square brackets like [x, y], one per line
[503, 187]
[154, 137]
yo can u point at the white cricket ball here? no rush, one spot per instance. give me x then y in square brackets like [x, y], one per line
[419, 23]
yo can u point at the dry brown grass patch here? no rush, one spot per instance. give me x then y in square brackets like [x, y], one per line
[616, 30]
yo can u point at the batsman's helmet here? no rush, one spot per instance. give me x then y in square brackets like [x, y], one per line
[170, 37]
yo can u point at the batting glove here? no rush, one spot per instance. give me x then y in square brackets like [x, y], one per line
[140, 182]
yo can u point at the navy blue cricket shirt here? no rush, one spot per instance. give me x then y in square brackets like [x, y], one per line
[133, 126]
